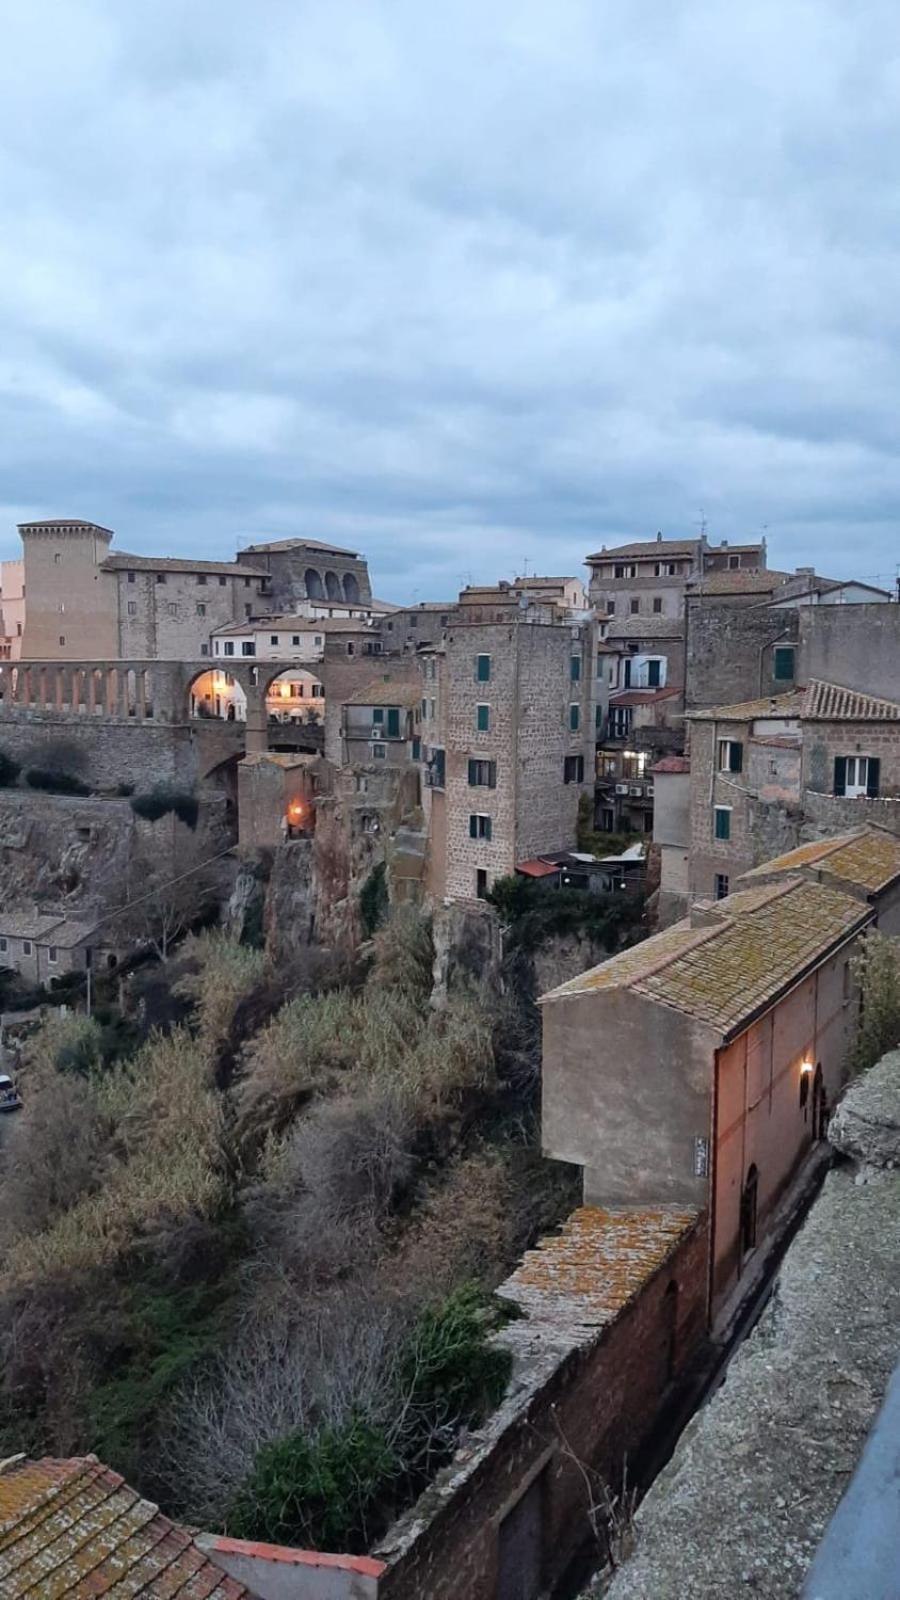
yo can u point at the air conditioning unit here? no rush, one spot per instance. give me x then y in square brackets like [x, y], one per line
[648, 790]
[637, 789]
[621, 788]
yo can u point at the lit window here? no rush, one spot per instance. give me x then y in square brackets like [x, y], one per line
[723, 822]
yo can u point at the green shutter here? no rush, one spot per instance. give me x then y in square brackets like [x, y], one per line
[473, 827]
[483, 668]
[784, 662]
[723, 823]
[473, 774]
[873, 773]
[575, 668]
[393, 722]
[735, 757]
[574, 718]
[483, 719]
[840, 774]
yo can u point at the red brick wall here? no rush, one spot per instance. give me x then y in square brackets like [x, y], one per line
[605, 1400]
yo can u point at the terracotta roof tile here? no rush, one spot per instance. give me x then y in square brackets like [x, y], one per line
[590, 1271]
[648, 547]
[70, 1530]
[380, 693]
[643, 697]
[743, 952]
[867, 858]
[765, 582]
[297, 544]
[818, 702]
[123, 562]
[672, 764]
[776, 705]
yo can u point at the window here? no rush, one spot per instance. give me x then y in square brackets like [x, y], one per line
[201, 577]
[634, 607]
[248, 648]
[51, 954]
[733, 563]
[575, 669]
[248, 611]
[160, 577]
[573, 769]
[626, 571]
[665, 569]
[4, 946]
[200, 609]
[273, 638]
[855, 776]
[132, 608]
[483, 669]
[610, 608]
[749, 1198]
[722, 822]
[574, 716]
[783, 664]
[481, 883]
[26, 947]
[657, 605]
[479, 826]
[483, 719]
[417, 749]
[731, 755]
[222, 582]
[62, 638]
[131, 576]
[378, 713]
[598, 717]
[204, 649]
[619, 722]
[379, 751]
[228, 647]
[393, 722]
[654, 670]
[482, 774]
[246, 583]
[317, 641]
[172, 608]
[295, 638]
[847, 976]
[349, 649]
[721, 885]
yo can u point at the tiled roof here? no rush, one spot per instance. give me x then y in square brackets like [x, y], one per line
[867, 857]
[67, 522]
[75, 1529]
[288, 624]
[648, 547]
[590, 1271]
[672, 764]
[819, 702]
[644, 628]
[123, 562]
[751, 946]
[274, 545]
[642, 697]
[738, 582]
[538, 869]
[380, 693]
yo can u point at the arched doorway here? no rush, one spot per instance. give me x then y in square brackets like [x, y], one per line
[215, 694]
[749, 1201]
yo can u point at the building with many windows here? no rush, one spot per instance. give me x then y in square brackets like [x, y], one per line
[650, 577]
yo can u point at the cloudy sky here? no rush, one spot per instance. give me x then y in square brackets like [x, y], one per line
[461, 284]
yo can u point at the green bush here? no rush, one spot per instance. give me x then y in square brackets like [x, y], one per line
[318, 1493]
[534, 914]
[55, 782]
[9, 770]
[159, 802]
[373, 900]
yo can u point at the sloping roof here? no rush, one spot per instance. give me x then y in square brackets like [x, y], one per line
[75, 1529]
[751, 946]
[379, 693]
[642, 697]
[274, 545]
[28, 924]
[589, 1271]
[672, 764]
[122, 562]
[538, 868]
[67, 522]
[830, 702]
[647, 547]
[288, 624]
[868, 858]
[778, 706]
[768, 581]
[644, 627]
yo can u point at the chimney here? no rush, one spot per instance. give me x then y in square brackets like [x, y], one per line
[724, 544]
[805, 572]
[659, 538]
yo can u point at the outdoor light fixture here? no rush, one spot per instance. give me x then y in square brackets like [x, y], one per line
[806, 1068]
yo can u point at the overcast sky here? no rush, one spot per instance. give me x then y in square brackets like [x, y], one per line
[458, 284]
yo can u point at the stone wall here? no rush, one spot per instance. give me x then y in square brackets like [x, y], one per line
[349, 665]
[855, 645]
[730, 651]
[172, 620]
[577, 1395]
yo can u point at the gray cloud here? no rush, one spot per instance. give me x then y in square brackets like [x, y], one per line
[463, 285]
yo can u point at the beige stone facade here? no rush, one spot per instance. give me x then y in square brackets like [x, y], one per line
[12, 606]
[650, 577]
[70, 600]
[167, 609]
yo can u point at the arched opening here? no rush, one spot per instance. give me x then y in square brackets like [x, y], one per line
[295, 696]
[749, 1200]
[98, 689]
[130, 706]
[351, 589]
[148, 692]
[313, 583]
[217, 696]
[332, 586]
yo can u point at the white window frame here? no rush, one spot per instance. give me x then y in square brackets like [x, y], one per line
[859, 788]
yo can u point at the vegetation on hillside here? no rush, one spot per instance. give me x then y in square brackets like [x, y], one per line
[248, 1258]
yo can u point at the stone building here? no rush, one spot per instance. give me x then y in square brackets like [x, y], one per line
[768, 774]
[270, 638]
[649, 577]
[12, 609]
[507, 737]
[697, 1067]
[671, 779]
[70, 600]
[41, 945]
[380, 722]
[310, 570]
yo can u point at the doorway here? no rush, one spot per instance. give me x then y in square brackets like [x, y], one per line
[521, 1546]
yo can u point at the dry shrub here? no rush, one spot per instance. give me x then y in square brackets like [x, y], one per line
[404, 953]
[164, 1162]
[55, 1158]
[221, 975]
[464, 1228]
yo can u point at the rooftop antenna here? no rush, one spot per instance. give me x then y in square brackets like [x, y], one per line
[702, 524]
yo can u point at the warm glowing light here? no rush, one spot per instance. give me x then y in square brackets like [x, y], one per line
[295, 809]
[806, 1067]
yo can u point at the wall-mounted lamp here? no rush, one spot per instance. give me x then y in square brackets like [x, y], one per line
[806, 1067]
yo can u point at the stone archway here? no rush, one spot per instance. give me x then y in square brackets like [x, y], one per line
[333, 586]
[312, 581]
[351, 589]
